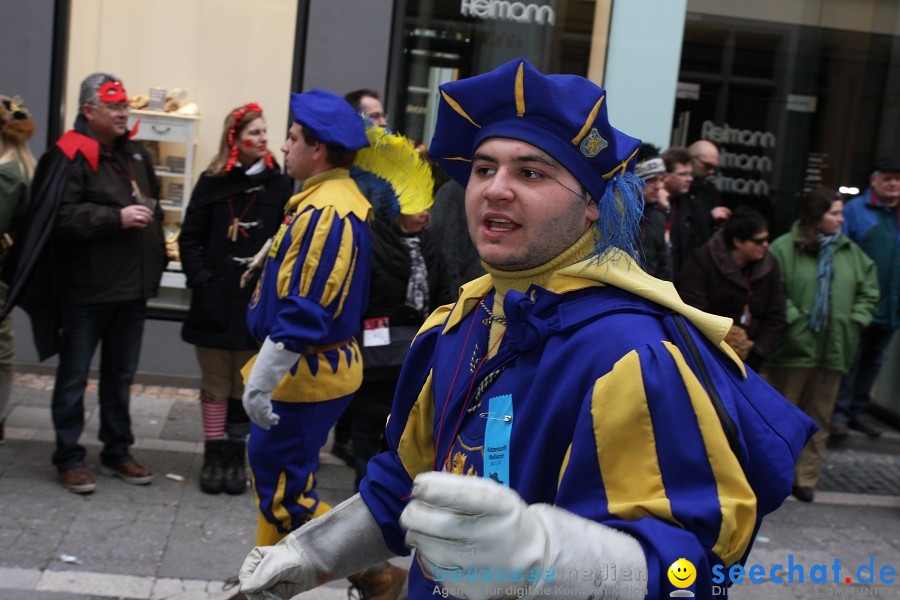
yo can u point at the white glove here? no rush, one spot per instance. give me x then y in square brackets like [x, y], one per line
[470, 523]
[256, 264]
[341, 542]
[272, 362]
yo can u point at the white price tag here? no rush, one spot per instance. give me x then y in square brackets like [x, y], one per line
[376, 332]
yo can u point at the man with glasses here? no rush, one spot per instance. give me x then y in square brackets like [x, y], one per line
[91, 255]
[705, 164]
[368, 103]
[690, 223]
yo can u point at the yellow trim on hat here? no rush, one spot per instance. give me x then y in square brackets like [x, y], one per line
[621, 166]
[587, 124]
[520, 90]
[459, 109]
[457, 158]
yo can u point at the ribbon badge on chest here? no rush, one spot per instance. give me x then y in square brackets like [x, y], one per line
[497, 433]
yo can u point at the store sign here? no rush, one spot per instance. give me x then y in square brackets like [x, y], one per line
[752, 164]
[501, 10]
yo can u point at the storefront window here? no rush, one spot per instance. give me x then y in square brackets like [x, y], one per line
[792, 105]
[444, 40]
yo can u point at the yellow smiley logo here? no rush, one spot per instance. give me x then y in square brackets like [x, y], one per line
[682, 573]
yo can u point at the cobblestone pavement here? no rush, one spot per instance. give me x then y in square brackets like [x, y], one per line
[169, 541]
[860, 472]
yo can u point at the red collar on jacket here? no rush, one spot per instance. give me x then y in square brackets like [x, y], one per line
[73, 142]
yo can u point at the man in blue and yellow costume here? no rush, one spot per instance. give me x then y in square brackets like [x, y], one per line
[569, 427]
[306, 308]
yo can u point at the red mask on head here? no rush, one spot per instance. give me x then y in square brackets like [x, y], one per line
[113, 91]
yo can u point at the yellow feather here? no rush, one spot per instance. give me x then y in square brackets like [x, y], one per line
[395, 159]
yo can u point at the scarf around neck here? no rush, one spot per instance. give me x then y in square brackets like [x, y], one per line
[824, 275]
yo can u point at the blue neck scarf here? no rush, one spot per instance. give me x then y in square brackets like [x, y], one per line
[824, 274]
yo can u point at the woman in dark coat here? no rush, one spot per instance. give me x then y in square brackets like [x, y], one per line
[235, 207]
[409, 281]
[735, 276]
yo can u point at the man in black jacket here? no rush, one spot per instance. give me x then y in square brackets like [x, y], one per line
[95, 234]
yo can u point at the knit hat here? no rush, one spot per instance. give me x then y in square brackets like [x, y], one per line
[650, 168]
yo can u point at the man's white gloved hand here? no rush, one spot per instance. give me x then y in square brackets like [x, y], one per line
[469, 523]
[459, 522]
[276, 572]
[343, 541]
[272, 362]
[256, 265]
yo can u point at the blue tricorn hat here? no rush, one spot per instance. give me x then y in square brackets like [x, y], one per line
[563, 115]
[330, 118]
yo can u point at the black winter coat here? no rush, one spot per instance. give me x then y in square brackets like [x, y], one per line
[391, 267]
[217, 315]
[96, 260]
[653, 253]
[71, 249]
[390, 275]
[712, 282]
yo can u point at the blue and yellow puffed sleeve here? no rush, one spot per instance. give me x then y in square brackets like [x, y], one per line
[315, 278]
[650, 457]
[313, 293]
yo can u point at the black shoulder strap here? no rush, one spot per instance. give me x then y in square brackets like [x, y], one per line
[728, 425]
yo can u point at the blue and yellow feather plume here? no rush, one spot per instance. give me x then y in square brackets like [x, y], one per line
[392, 174]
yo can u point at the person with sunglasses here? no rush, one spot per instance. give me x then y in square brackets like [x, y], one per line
[734, 275]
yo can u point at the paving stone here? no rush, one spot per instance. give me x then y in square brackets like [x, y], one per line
[99, 584]
[861, 472]
[16, 578]
[33, 417]
[151, 407]
[183, 422]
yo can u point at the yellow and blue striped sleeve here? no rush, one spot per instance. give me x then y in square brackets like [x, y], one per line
[650, 457]
[320, 280]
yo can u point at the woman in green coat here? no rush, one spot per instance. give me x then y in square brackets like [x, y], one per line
[832, 290]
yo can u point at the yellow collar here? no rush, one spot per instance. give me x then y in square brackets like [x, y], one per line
[616, 269]
[340, 192]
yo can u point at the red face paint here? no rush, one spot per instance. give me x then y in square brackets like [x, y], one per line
[249, 143]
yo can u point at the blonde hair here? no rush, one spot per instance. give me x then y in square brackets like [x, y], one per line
[216, 167]
[16, 128]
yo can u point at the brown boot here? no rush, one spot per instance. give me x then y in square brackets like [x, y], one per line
[383, 581]
[78, 480]
[129, 471]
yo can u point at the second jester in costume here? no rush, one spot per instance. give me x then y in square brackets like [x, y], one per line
[305, 310]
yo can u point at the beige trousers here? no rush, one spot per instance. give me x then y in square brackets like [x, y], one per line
[814, 391]
[220, 372]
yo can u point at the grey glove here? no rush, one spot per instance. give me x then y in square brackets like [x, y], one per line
[272, 362]
[452, 519]
[343, 541]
